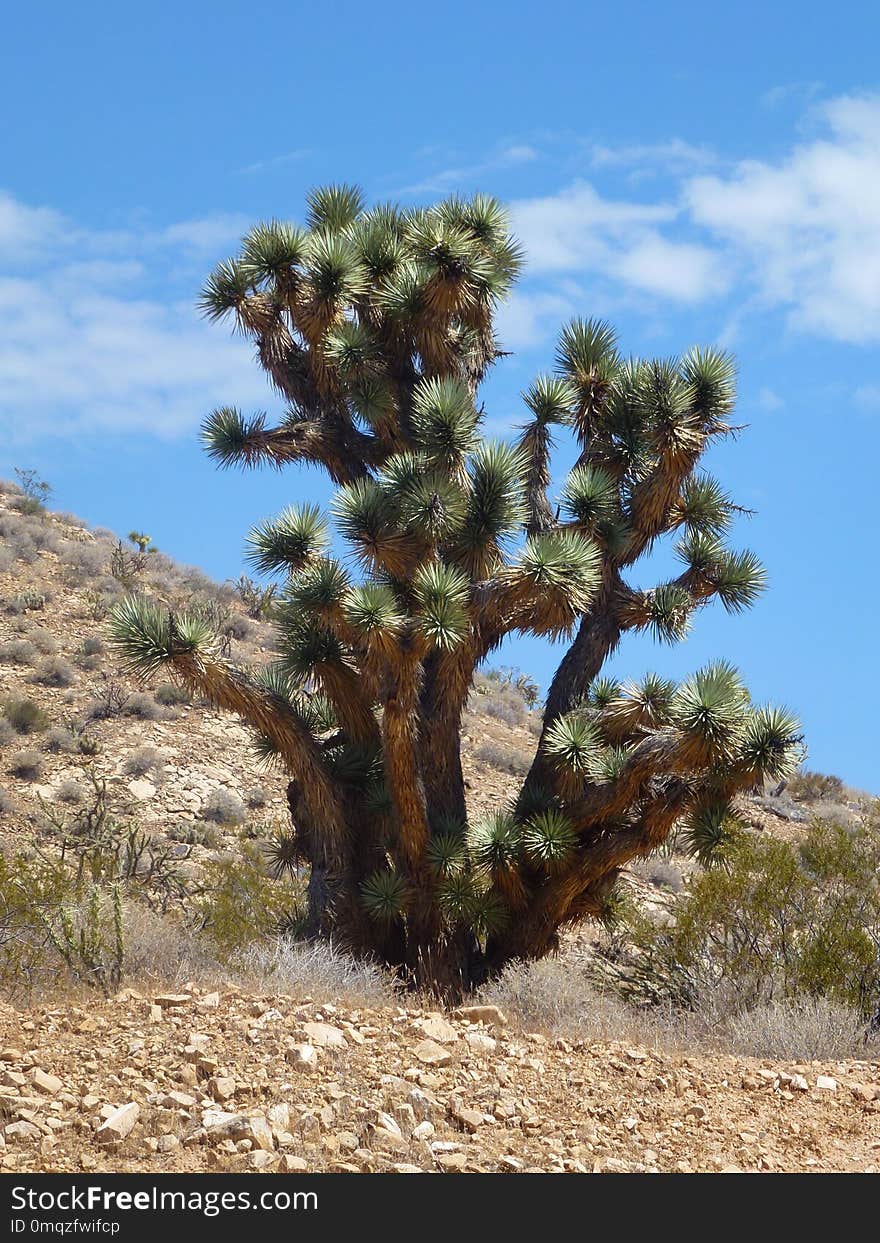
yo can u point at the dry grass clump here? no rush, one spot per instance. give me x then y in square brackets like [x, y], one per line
[26, 764]
[807, 786]
[556, 996]
[170, 695]
[144, 760]
[158, 948]
[53, 671]
[143, 705]
[658, 872]
[506, 759]
[316, 969]
[18, 652]
[6, 803]
[799, 1029]
[59, 740]
[70, 791]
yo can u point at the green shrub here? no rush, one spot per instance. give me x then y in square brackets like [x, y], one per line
[775, 920]
[25, 716]
[242, 904]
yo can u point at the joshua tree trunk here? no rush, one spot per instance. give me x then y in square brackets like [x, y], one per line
[376, 327]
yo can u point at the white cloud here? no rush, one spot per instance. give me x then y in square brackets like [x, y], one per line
[84, 348]
[674, 156]
[808, 226]
[769, 400]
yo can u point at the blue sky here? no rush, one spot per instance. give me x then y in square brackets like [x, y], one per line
[695, 175]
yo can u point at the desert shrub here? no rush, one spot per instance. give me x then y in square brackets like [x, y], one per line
[7, 560]
[59, 740]
[170, 695]
[53, 671]
[799, 1029]
[111, 700]
[86, 560]
[777, 920]
[224, 807]
[256, 598]
[506, 759]
[35, 492]
[314, 969]
[29, 601]
[809, 786]
[69, 791]
[240, 628]
[93, 645]
[558, 997]
[26, 764]
[241, 903]
[162, 949]
[143, 705]
[24, 715]
[659, 872]
[194, 834]
[144, 760]
[18, 652]
[6, 802]
[7, 733]
[256, 797]
[43, 640]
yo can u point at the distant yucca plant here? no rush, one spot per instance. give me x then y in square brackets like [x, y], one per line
[376, 328]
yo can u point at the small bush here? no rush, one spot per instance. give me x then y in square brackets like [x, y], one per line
[93, 645]
[506, 759]
[241, 904]
[43, 640]
[59, 740]
[144, 760]
[194, 834]
[256, 798]
[25, 716]
[6, 803]
[53, 671]
[70, 791]
[7, 733]
[658, 872]
[239, 628]
[18, 652]
[26, 764]
[86, 560]
[224, 807]
[169, 695]
[30, 601]
[807, 786]
[143, 705]
[799, 1029]
[7, 560]
[314, 970]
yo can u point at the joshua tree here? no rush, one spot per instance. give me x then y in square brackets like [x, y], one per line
[376, 328]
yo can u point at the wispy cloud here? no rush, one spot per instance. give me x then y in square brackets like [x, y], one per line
[276, 161]
[464, 176]
[86, 346]
[673, 157]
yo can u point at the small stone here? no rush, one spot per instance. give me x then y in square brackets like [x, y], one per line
[387, 1141]
[172, 1001]
[407, 1169]
[290, 1164]
[424, 1130]
[302, 1057]
[695, 1111]
[223, 1087]
[325, 1036]
[435, 1027]
[177, 1100]
[260, 1159]
[826, 1084]
[167, 1143]
[50, 1084]
[508, 1164]
[210, 1001]
[468, 1119]
[11, 1055]
[799, 1083]
[429, 1053]
[479, 1042]
[490, 1015]
[22, 1132]
[451, 1161]
[119, 1125]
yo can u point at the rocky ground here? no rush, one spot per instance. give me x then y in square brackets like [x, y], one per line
[196, 1081]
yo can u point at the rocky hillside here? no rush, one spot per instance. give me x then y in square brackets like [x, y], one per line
[196, 1080]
